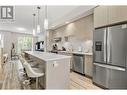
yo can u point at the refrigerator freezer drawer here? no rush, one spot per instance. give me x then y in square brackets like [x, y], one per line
[108, 77]
[110, 67]
[100, 76]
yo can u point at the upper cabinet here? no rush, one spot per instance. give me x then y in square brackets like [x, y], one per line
[117, 14]
[100, 16]
[107, 15]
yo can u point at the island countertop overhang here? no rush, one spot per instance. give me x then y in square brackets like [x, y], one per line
[45, 56]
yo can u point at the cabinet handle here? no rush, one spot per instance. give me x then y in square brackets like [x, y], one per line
[55, 64]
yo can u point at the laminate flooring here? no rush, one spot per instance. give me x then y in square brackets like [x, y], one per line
[13, 78]
[80, 82]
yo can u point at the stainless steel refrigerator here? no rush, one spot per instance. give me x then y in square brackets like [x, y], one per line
[110, 57]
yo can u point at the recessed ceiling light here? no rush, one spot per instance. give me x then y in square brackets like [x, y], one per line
[52, 26]
[21, 29]
[66, 22]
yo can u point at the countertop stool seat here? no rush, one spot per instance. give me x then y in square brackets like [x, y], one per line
[32, 73]
[32, 63]
[30, 70]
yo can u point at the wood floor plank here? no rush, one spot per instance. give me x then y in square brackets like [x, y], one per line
[12, 74]
[83, 81]
[11, 80]
[76, 85]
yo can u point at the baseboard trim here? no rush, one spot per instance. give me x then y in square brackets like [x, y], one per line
[100, 86]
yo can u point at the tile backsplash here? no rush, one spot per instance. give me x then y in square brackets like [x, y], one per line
[76, 36]
[77, 45]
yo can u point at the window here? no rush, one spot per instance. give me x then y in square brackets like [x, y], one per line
[24, 43]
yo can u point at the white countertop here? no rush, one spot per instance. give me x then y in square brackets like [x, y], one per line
[45, 56]
[76, 52]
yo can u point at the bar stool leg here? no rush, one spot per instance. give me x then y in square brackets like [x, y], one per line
[37, 83]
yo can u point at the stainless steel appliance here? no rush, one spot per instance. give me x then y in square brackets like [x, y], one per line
[39, 46]
[78, 63]
[109, 57]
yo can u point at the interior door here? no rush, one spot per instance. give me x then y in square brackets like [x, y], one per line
[116, 45]
[99, 45]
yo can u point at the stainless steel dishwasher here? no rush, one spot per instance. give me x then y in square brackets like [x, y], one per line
[78, 63]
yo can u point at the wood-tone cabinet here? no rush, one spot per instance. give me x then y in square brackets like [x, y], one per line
[100, 16]
[88, 65]
[107, 15]
[117, 14]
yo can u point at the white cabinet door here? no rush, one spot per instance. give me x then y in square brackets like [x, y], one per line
[68, 54]
[117, 14]
[100, 16]
[57, 74]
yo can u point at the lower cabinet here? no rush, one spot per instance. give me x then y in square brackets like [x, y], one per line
[68, 54]
[88, 65]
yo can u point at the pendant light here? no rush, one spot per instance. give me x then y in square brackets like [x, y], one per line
[46, 19]
[34, 32]
[46, 29]
[38, 24]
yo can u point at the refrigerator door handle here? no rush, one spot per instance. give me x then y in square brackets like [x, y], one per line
[108, 46]
[105, 44]
[110, 67]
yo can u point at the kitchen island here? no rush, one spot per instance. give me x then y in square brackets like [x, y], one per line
[56, 68]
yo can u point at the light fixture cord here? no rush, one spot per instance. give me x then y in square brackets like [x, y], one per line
[45, 11]
[34, 21]
[38, 15]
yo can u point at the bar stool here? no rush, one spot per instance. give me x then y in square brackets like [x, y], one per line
[31, 62]
[31, 73]
[5, 59]
[22, 60]
[28, 59]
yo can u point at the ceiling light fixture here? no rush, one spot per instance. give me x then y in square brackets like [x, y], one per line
[34, 32]
[46, 19]
[38, 24]
[46, 24]
[67, 22]
[21, 29]
[0, 37]
[52, 26]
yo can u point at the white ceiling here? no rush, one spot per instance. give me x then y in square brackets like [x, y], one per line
[57, 15]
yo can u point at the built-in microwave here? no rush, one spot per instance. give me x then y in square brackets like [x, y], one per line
[39, 46]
